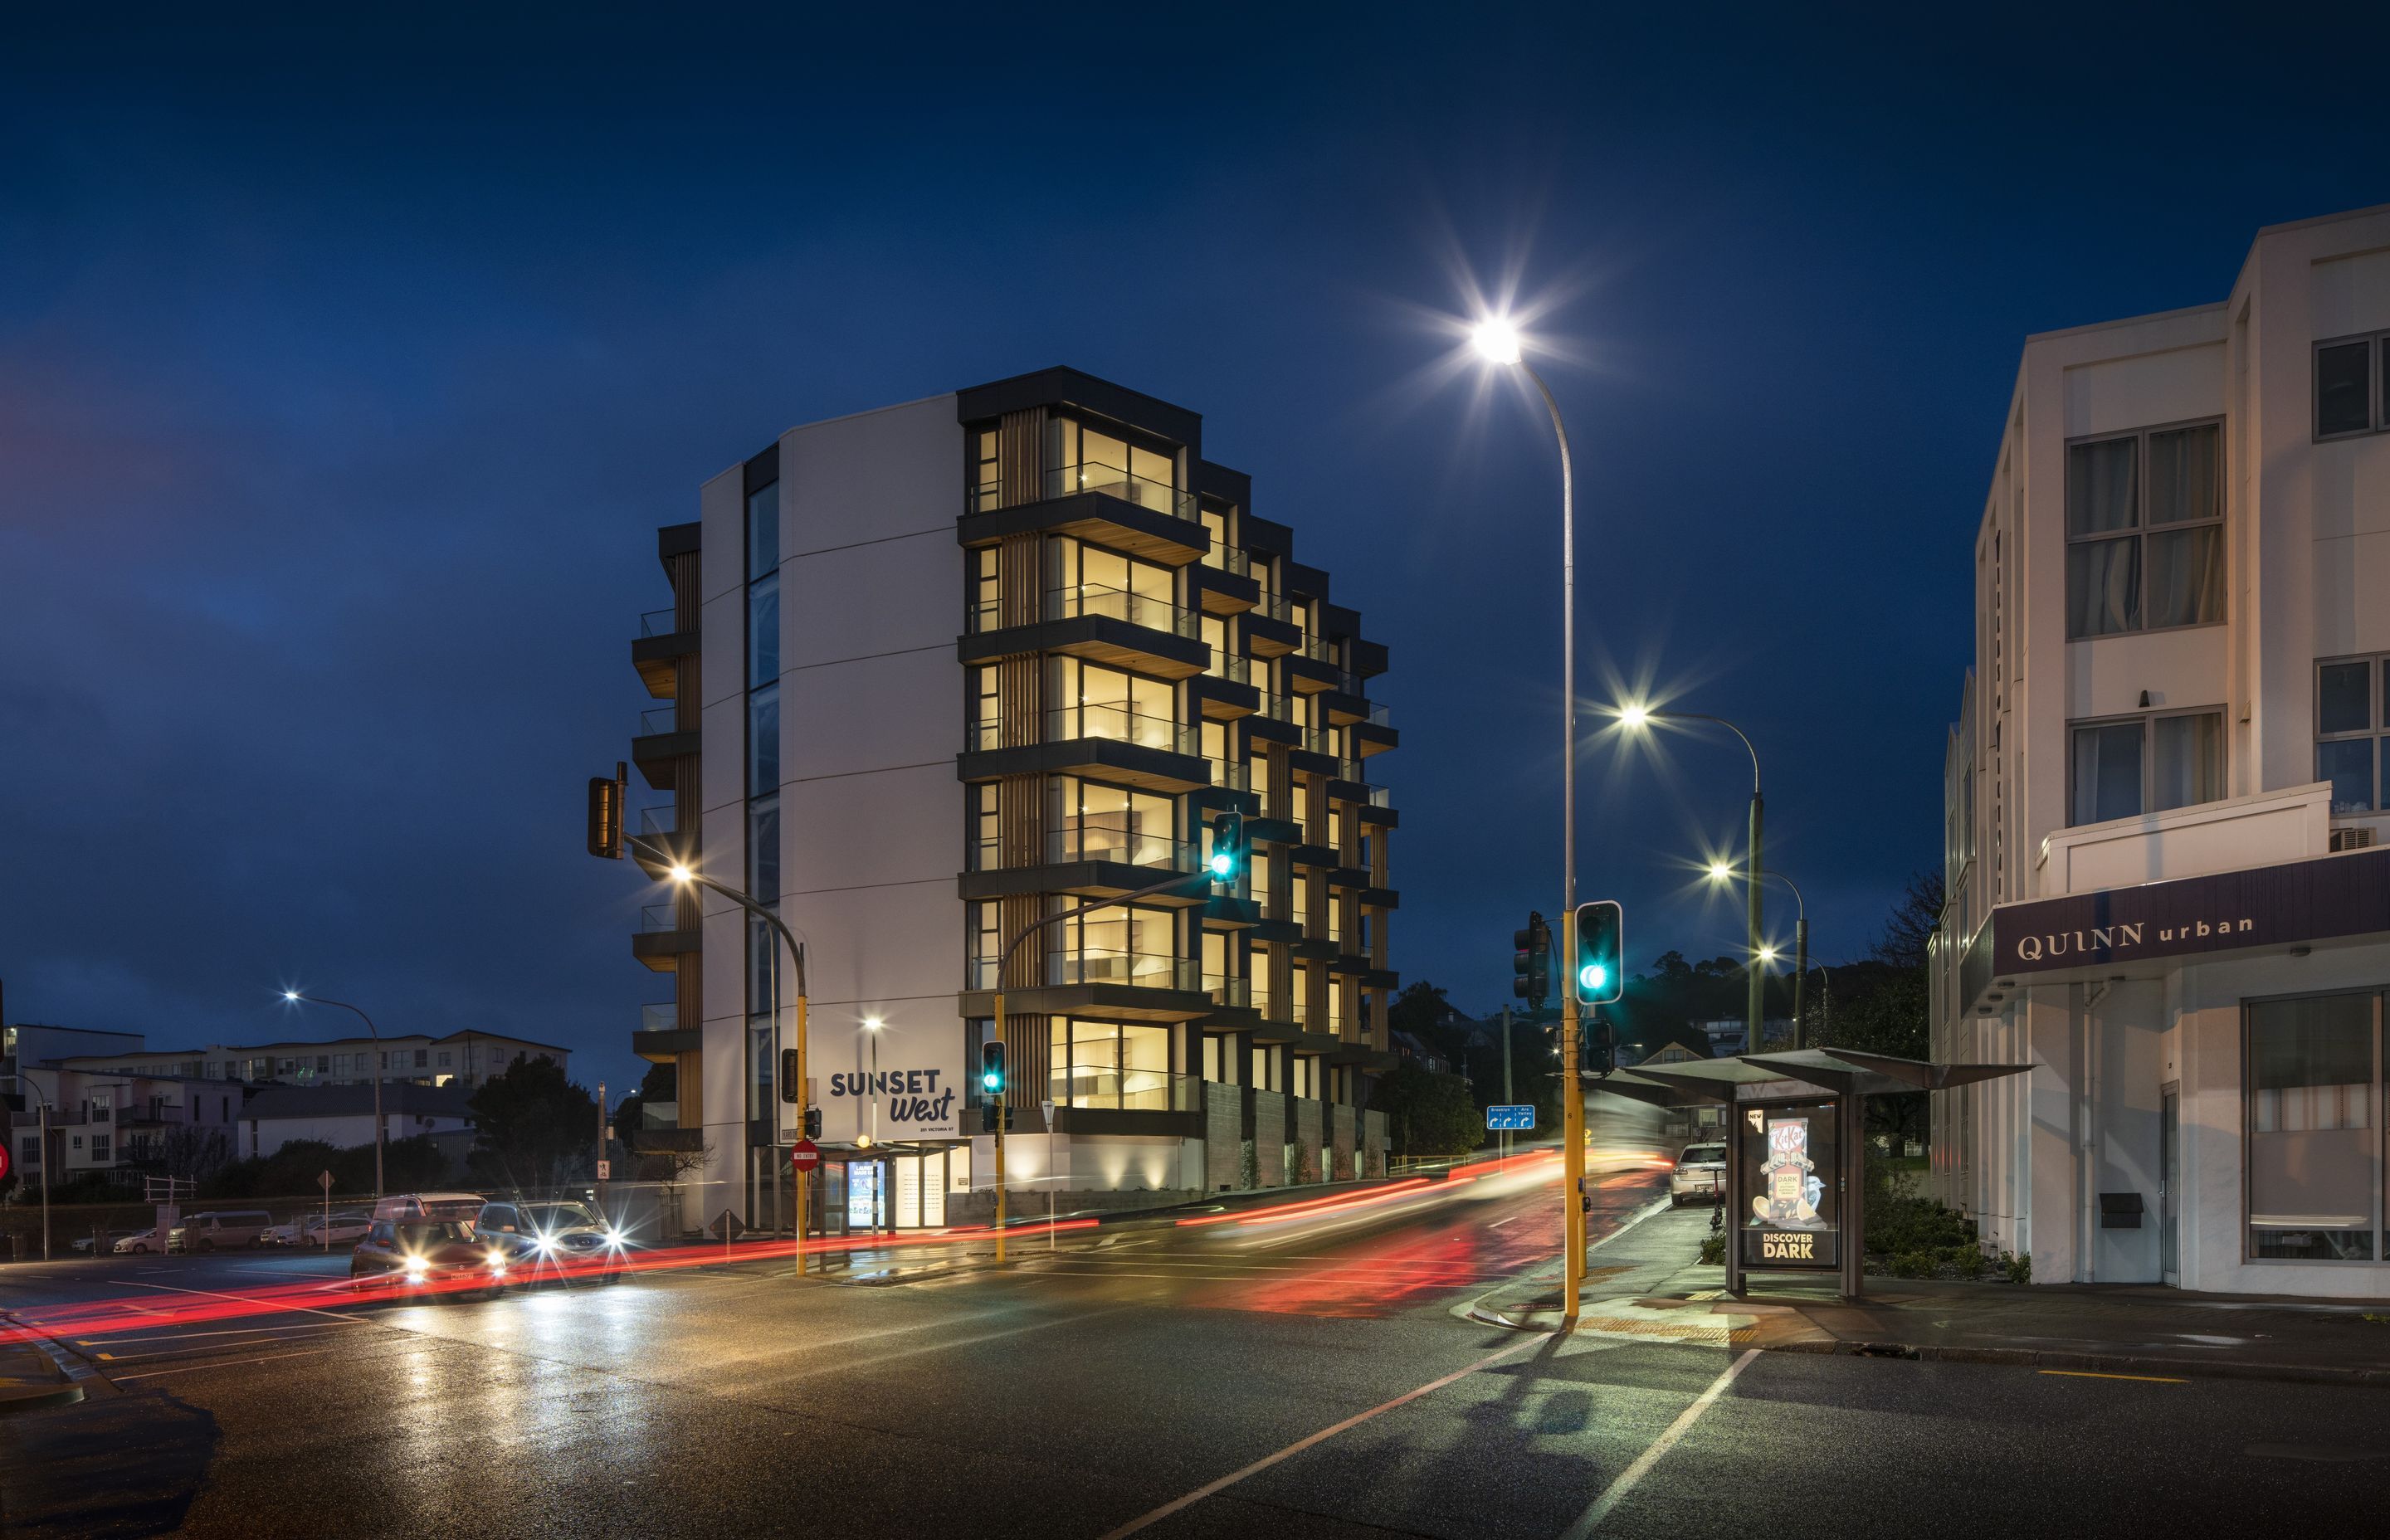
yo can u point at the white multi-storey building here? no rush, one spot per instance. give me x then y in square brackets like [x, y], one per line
[2169, 877]
[966, 663]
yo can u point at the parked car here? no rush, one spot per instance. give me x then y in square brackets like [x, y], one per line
[347, 1226]
[552, 1240]
[1700, 1175]
[219, 1230]
[398, 1255]
[429, 1205]
[101, 1243]
[140, 1243]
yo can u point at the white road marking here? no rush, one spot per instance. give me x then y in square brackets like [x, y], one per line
[1299, 1445]
[1590, 1519]
[239, 1299]
[237, 1363]
[1499, 1223]
[104, 1340]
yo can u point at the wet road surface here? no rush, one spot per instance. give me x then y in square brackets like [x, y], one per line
[1304, 1373]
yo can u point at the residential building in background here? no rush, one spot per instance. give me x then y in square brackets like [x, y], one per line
[2169, 883]
[459, 1058]
[936, 671]
[342, 1116]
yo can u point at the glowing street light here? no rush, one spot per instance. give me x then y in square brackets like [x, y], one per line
[292, 998]
[1496, 339]
[1720, 871]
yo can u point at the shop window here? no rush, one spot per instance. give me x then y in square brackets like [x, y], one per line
[2313, 1144]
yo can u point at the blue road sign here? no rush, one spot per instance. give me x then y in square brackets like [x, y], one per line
[1501, 1120]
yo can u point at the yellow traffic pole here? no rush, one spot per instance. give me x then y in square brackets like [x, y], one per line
[999, 1124]
[804, 1178]
[1572, 1132]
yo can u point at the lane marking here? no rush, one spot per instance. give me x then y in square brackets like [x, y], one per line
[1590, 1519]
[235, 1363]
[2091, 1374]
[1499, 1223]
[1299, 1445]
[262, 1308]
[187, 1336]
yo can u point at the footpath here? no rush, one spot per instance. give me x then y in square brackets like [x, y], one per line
[1645, 1282]
[30, 1377]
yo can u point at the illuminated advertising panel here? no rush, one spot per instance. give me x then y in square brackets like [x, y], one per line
[1791, 1180]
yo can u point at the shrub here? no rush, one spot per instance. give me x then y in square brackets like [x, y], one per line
[2019, 1268]
[1713, 1251]
[1912, 1264]
[1965, 1262]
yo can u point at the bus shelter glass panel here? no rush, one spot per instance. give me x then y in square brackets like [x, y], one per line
[1791, 1178]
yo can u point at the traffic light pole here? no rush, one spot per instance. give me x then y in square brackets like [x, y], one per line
[1572, 1092]
[1003, 962]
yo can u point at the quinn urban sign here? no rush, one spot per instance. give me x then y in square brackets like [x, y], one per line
[2337, 896]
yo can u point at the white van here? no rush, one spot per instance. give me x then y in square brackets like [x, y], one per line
[219, 1229]
[405, 1206]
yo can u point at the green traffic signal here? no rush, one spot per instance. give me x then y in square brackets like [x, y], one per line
[1598, 965]
[1227, 858]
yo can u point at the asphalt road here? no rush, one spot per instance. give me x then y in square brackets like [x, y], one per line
[1306, 1374]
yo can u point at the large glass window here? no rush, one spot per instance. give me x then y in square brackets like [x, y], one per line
[1087, 580]
[1089, 700]
[763, 849]
[764, 740]
[764, 631]
[2125, 768]
[1113, 1064]
[2353, 731]
[2315, 1159]
[2343, 388]
[763, 530]
[1080, 458]
[987, 470]
[1129, 945]
[1089, 821]
[2145, 551]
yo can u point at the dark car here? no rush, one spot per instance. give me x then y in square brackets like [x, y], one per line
[544, 1241]
[426, 1255]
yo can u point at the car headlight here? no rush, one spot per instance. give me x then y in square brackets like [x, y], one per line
[415, 1269]
[615, 1239]
[544, 1245]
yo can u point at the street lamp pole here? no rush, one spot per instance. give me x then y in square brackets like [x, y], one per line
[1636, 716]
[657, 859]
[1498, 342]
[294, 998]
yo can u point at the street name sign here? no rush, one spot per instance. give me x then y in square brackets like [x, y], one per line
[1511, 1120]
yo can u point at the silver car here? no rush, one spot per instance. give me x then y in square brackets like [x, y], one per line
[1700, 1175]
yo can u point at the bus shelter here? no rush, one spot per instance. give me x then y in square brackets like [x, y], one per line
[1795, 1147]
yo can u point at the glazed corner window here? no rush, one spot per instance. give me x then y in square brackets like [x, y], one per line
[2125, 768]
[1079, 459]
[763, 530]
[2145, 532]
[987, 471]
[2353, 731]
[2314, 1149]
[2346, 398]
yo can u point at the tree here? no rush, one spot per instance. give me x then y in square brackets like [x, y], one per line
[1427, 1114]
[661, 1085]
[193, 1152]
[1913, 922]
[533, 1127]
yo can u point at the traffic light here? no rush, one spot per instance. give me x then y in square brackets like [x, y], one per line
[606, 815]
[1532, 961]
[1227, 860]
[791, 1081]
[813, 1122]
[1597, 1046]
[1597, 972]
[991, 1068]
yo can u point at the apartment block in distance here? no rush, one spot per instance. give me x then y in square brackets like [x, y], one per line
[936, 672]
[2167, 847]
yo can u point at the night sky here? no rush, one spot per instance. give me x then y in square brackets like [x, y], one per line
[346, 373]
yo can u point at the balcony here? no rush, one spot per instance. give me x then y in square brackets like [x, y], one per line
[1223, 591]
[1104, 740]
[1224, 697]
[1374, 733]
[658, 652]
[661, 1038]
[1094, 858]
[1130, 986]
[1124, 1089]
[660, 741]
[1099, 623]
[661, 942]
[1268, 631]
[1096, 502]
[1308, 674]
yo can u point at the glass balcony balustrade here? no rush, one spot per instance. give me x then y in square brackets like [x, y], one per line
[660, 622]
[660, 1016]
[660, 916]
[1228, 989]
[1139, 969]
[1067, 481]
[1228, 559]
[658, 720]
[659, 1114]
[1124, 1089]
[660, 820]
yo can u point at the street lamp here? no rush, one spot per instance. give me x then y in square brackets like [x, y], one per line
[1718, 873]
[871, 1024]
[1636, 716]
[291, 996]
[655, 860]
[1497, 341]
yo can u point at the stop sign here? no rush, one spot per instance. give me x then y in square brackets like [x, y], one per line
[805, 1155]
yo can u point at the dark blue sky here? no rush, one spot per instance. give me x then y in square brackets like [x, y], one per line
[346, 371]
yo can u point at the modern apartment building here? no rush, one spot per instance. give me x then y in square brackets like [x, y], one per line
[2169, 878]
[937, 671]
